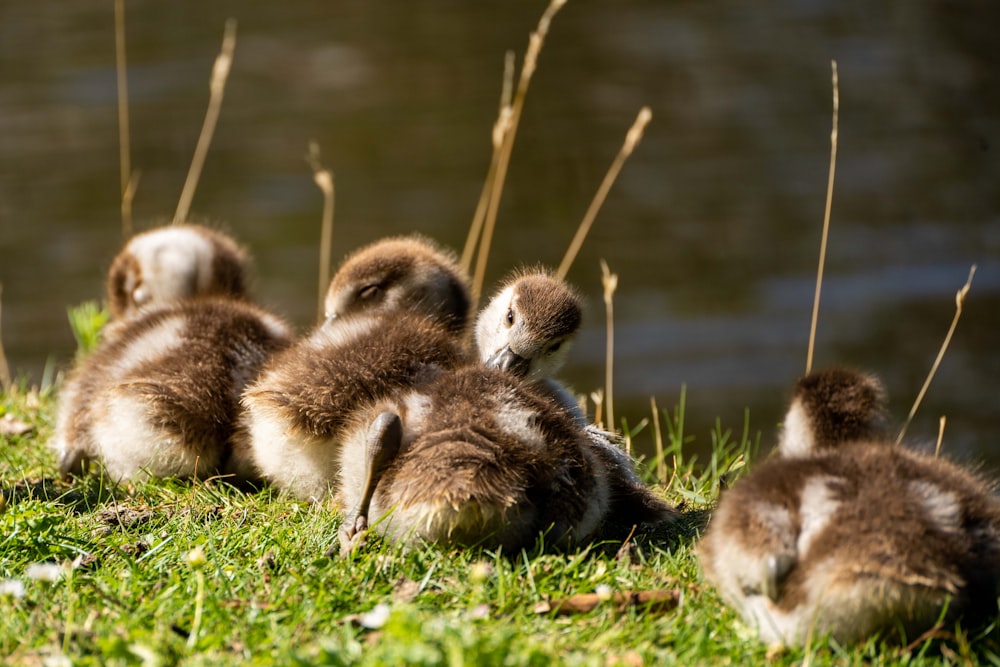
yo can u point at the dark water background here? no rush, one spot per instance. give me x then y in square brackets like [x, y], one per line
[713, 226]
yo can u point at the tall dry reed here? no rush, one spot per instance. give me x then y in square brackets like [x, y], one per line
[217, 89]
[496, 139]
[509, 130]
[124, 141]
[610, 282]
[632, 138]
[959, 302]
[323, 178]
[826, 218]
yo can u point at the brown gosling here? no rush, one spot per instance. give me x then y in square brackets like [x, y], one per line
[527, 330]
[846, 534]
[472, 458]
[175, 262]
[396, 313]
[160, 398]
[404, 273]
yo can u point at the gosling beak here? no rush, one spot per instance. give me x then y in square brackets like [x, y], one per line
[507, 360]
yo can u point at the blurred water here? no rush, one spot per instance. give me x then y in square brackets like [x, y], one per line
[713, 226]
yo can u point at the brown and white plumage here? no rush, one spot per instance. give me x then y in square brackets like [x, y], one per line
[404, 273]
[297, 412]
[529, 324]
[495, 454]
[847, 534]
[161, 396]
[478, 458]
[175, 262]
[396, 313]
[527, 329]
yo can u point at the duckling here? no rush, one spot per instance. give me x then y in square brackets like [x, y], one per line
[846, 534]
[473, 457]
[175, 262]
[396, 311]
[410, 273]
[830, 408]
[161, 397]
[528, 326]
[527, 329]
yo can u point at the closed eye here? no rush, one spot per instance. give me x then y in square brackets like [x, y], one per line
[368, 292]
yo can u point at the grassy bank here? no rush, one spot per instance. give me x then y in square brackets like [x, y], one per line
[172, 572]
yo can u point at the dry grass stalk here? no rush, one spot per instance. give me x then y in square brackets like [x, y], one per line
[597, 396]
[632, 138]
[826, 218]
[610, 282]
[217, 88]
[661, 465]
[959, 301]
[127, 196]
[499, 130]
[124, 146]
[324, 180]
[5, 380]
[937, 447]
[509, 131]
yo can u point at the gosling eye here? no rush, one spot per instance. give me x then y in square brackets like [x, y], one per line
[510, 317]
[555, 346]
[368, 292]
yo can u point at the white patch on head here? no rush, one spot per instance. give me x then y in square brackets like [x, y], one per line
[176, 262]
[492, 331]
[941, 508]
[817, 505]
[796, 433]
[519, 422]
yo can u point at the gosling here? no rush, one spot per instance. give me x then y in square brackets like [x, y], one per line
[160, 398]
[846, 534]
[527, 329]
[472, 458]
[396, 313]
[176, 262]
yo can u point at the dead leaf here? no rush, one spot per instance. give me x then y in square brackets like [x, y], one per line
[653, 602]
[10, 425]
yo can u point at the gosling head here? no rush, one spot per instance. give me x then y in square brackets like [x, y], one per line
[173, 263]
[527, 328]
[408, 273]
[832, 407]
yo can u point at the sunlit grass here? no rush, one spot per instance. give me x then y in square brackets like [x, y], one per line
[124, 588]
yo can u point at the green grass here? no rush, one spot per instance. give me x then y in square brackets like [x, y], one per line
[171, 572]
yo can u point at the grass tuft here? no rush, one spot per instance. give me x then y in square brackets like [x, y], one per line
[174, 572]
[87, 321]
